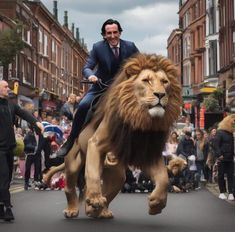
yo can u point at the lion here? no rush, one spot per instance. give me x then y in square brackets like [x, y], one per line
[228, 123]
[175, 167]
[130, 127]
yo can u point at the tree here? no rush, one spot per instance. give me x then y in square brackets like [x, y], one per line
[10, 45]
[211, 104]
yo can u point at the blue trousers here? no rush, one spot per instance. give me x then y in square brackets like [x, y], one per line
[82, 110]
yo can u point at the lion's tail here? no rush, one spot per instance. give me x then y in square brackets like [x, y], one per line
[52, 171]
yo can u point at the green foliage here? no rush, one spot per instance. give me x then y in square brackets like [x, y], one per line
[10, 44]
[19, 149]
[211, 104]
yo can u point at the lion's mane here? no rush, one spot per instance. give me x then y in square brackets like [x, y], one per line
[228, 123]
[134, 136]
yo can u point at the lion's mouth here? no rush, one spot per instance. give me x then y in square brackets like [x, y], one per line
[157, 110]
[157, 105]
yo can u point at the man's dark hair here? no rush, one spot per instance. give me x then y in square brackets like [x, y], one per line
[109, 22]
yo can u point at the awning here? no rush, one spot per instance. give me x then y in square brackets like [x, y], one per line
[207, 90]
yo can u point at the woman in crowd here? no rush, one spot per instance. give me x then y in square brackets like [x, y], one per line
[201, 153]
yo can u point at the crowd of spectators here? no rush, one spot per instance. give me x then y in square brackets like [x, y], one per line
[197, 148]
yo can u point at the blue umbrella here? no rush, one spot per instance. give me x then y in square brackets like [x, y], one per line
[49, 128]
[45, 123]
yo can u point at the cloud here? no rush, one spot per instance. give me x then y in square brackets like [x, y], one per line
[147, 23]
[102, 6]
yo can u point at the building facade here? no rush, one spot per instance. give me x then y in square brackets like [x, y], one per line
[227, 50]
[50, 65]
[208, 53]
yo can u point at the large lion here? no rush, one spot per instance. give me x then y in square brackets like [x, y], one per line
[129, 127]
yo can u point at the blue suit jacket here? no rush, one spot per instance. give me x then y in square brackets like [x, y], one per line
[102, 62]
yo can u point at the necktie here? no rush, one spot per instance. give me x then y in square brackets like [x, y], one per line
[115, 51]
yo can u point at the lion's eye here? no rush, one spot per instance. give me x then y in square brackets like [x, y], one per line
[164, 82]
[147, 81]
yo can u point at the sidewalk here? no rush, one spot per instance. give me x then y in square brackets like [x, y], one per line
[17, 185]
[214, 189]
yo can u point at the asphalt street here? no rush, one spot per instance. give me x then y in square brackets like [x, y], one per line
[195, 211]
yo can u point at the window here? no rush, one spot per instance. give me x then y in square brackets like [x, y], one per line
[40, 42]
[186, 74]
[212, 57]
[212, 17]
[45, 48]
[26, 35]
[186, 47]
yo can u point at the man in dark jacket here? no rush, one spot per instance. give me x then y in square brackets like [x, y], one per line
[68, 108]
[8, 111]
[224, 153]
[103, 64]
[186, 145]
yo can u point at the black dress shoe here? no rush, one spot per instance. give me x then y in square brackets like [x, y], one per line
[8, 215]
[65, 148]
[2, 212]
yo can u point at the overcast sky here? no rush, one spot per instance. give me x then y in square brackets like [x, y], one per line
[148, 23]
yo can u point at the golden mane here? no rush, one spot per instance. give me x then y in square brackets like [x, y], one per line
[228, 123]
[126, 119]
[120, 98]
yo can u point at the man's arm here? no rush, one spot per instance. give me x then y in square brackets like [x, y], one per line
[28, 117]
[90, 64]
[217, 144]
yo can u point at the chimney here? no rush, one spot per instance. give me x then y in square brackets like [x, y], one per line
[77, 34]
[72, 29]
[66, 18]
[55, 10]
[82, 42]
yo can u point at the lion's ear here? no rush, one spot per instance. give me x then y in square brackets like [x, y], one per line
[132, 68]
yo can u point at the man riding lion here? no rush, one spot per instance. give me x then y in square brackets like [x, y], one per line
[129, 127]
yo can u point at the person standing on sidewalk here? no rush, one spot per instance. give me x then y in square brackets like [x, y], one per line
[224, 152]
[101, 67]
[8, 111]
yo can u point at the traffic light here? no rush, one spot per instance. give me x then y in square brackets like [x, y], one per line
[16, 87]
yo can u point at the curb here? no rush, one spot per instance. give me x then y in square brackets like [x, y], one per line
[214, 189]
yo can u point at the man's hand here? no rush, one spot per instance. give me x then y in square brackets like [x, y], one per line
[40, 126]
[220, 158]
[93, 78]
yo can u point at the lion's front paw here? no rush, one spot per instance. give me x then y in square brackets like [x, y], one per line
[96, 201]
[106, 213]
[71, 212]
[157, 202]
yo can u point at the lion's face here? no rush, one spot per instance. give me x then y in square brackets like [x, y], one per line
[151, 90]
[146, 94]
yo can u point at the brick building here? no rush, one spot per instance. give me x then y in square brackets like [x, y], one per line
[49, 67]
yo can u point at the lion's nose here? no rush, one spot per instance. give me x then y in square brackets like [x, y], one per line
[159, 95]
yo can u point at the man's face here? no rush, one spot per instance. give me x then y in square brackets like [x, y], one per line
[4, 89]
[72, 99]
[112, 34]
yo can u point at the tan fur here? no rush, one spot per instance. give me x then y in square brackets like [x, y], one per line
[228, 123]
[176, 165]
[127, 129]
[51, 172]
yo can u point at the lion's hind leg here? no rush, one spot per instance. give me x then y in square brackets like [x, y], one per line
[73, 165]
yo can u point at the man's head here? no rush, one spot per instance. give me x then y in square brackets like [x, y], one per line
[4, 89]
[111, 31]
[72, 98]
